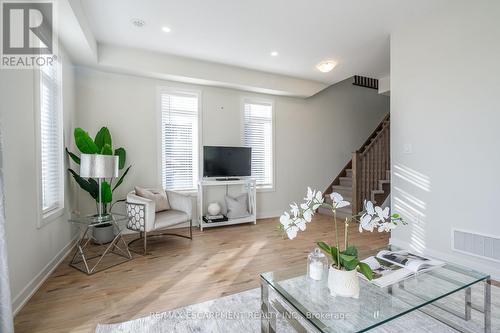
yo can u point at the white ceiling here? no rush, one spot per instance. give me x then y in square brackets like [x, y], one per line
[354, 33]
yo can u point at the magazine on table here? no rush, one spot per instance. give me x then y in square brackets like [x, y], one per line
[390, 267]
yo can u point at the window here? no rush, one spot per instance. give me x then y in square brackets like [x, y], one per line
[179, 140]
[258, 134]
[50, 136]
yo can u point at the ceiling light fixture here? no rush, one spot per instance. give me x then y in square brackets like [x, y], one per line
[274, 53]
[138, 22]
[326, 66]
[166, 29]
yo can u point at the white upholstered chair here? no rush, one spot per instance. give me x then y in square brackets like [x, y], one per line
[143, 219]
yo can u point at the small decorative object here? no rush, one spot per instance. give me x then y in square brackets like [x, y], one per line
[213, 208]
[342, 275]
[317, 263]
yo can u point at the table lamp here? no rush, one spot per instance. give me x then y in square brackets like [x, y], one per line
[100, 167]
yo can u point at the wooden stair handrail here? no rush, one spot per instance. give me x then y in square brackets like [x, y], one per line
[369, 164]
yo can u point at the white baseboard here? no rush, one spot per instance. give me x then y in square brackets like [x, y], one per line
[24, 295]
[457, 258]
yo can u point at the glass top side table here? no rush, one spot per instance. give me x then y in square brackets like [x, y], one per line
[91, 257]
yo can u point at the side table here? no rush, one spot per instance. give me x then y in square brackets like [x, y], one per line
[91, 257]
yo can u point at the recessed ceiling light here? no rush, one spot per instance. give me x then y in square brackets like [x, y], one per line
[166, 29]
[138, 22]
[326, 66]
[274, 53]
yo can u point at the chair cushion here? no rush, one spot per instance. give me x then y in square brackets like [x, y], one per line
[170, 218]
[158, 196]
[237, 207]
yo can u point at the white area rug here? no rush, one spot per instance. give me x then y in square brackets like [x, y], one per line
[239, 313]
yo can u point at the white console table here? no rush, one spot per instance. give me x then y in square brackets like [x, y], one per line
[249, 186]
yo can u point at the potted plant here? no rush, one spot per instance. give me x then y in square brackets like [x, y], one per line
[342, 274]
[101, 144]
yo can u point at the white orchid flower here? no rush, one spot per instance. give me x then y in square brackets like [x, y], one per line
[300, 223]
[285, 220]
[367, 222]
[307, 212]
[369, 208]
[338, 200]
[294, 209]
[310, 195]
[386, 226]
[291, 231]
[382, 214]
[318, 200]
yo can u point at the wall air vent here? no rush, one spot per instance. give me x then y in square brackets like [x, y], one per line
[484, 246]
[366, 82]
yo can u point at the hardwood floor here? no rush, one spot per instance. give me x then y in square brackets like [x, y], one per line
[177, 272]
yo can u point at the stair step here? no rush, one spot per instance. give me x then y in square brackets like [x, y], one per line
[348, 172]
[345, 181]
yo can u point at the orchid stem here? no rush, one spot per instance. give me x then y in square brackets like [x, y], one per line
[336, 238]
[345, 234]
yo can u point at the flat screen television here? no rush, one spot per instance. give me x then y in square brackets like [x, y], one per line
[225, 162]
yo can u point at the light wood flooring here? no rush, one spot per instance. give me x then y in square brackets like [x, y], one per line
[177, 272]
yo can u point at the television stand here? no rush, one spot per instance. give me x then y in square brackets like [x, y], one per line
[248, 185]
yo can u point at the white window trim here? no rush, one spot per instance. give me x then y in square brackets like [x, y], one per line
[250, 99]
[44, 219]
[173, 90]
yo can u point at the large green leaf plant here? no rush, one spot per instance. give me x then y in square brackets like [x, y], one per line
[101, 144]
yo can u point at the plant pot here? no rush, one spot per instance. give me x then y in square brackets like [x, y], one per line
[343, 283]
[103, 233]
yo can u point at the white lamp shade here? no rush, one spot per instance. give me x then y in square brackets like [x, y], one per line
[98, 166]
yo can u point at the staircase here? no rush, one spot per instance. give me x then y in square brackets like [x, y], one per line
[366, 176]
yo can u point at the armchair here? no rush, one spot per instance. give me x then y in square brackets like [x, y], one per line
[143, 219]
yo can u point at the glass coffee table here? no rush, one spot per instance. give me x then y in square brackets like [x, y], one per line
[307, 306]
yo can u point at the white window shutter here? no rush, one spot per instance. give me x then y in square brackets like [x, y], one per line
[258, 134]
[179, 141]
[51, 151]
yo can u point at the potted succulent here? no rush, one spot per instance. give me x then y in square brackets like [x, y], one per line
[342, 275]
[101, 144]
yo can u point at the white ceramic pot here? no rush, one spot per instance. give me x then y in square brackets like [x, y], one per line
[213, 208]
[343, 283]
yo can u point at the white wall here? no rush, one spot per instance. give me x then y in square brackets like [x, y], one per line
[32, 252]
[314, 137]
[445, 102]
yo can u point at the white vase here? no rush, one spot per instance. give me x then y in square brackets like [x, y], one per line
[343, 283]
[213, 208]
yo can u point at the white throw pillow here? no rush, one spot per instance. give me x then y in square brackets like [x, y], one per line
[237, 207]
[158, 196]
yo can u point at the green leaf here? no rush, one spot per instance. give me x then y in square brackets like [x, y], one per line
[366, 270]
[106, 150]
[395, 216]
[103, 137]
[106, 193]
[351, 251]
[323, 246]
[84, 142]
[334, 254]
[346, 257]
[89, 185]
[122, 154]
[75, 158]
[350, 265]
[121, 178]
